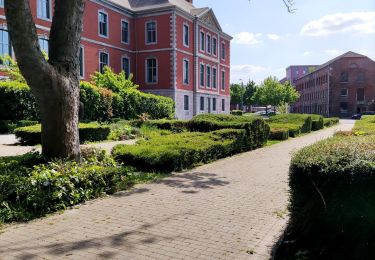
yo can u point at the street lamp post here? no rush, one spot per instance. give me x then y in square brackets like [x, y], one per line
[242, 94]
[329, 85]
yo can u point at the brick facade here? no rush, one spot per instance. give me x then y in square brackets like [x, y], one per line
[341, 87]
[170, 51]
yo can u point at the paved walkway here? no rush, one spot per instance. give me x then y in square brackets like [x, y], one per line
[231, 209]
[9, 146]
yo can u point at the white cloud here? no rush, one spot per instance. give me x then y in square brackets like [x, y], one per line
[307, 53]
[248, 71]
[355, 22]
[333, 52]
[247, 38]
[273, 36]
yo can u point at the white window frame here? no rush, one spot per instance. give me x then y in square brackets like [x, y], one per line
[201, 102]
[122, 65]
[202, 44]
[222, 80]
[83, 62]
[188, 103]
[208, 77]
[223, 57]
[186, 71]
[202, 79]
[184, 26]
[156, 32]
[106, 52]
[10, 49]
[101, 11]
[214, 53]
[122, 40]
[1, 3]
[208, 43]
[38, 13]
[214, 80]
[43, 38]
[157, 71]
[214, 104]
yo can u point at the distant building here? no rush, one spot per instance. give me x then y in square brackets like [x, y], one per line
[173, 48]
[340, 87]
[295, 72]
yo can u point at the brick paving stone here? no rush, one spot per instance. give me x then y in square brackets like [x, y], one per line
[235, 208]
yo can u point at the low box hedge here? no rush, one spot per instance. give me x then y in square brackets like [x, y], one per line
[330, 121]
[317, 122]
[302, 120]
[8, 127]
[280, 134]
[293, 129]
[168, 124]
[91, 132]
[236, 112]
[175, 152]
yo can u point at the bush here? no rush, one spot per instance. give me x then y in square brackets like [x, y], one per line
[317, 122]
[366, 125]
[91, 132]
[30, 187]
[173, 152]
[167, 124]
[280, 134]
[293, 129]
[331, 121]
[17, 102]
[236, 112]
[122, 130]
[302, 120]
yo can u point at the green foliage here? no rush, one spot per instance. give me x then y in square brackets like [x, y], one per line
[11, 69]
[317, 122]
[333, 197]
[165, 124]
[236, 112]
[91, 132]
[112, 81]
[330, 121]
[7, 127]
[301, 120]
[30, 187]
[16, 102]
[250, 90]
[242, 94]
[122, 130]
[280, 134]
[174, 152]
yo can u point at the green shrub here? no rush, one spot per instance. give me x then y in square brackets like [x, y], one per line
[294, 130]
[30, 187]
[331, 121]
[168, 124]
[302, 120]
[317, 122]
[122, 130]
[366, 125]
[236, 112]
[7, 127]
[279, 134]
[173, 152]
[91, 132]
[17, 102]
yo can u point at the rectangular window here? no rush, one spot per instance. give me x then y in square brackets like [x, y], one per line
[344, 77]
[43, 9]
[214, 104]
[186, 35]
[186, 72]
[151, 32]
[223, 80]
[214, 77]
[151, 71]
[360, 94]
[126, 65]
[5, 46]
[208, 76]
[186, 102]
[125, 32]
[81, 62]
[44, 45]
[208, 43]
[343, 107]
[202, 104]
[201, 74]
[103, 61]
[103, 24]
[344, 92]
[1, 3]
[223, 52]
[214, 46]
[202, 41]
[223, 105]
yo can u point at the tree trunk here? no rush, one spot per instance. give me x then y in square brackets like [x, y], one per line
[55, 83]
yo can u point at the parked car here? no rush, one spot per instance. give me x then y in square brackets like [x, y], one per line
[368, 113]
[357, 116]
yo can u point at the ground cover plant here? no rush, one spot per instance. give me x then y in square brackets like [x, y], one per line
[332, 201]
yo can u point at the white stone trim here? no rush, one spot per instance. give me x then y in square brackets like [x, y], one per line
[183, 34]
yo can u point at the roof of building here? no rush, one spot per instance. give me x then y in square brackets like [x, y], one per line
[144, 5]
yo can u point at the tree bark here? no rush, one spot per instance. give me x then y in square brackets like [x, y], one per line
[55, 83]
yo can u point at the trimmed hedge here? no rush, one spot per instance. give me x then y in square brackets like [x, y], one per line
[293, 129]
[317, 122]
[175, 152]
[331, 121]
[332, 201]
[91, 132]
[165, 124]
[30, 187]
[302, 120]
[280, 134]
[236, 112]
[7, 127]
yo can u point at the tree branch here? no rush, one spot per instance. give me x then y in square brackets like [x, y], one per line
[65, 35]
[24, 39]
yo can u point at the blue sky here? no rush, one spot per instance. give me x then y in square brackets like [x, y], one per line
[267, 38]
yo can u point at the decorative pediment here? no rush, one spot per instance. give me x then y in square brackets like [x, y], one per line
[210, 19]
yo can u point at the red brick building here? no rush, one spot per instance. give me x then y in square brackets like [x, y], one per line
[172, 48]
[341, 87]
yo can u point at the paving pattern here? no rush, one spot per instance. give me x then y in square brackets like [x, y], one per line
[234, 208]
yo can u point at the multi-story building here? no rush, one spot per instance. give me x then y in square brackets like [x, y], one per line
[294, 72]
[340, 87]
[171, 48]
